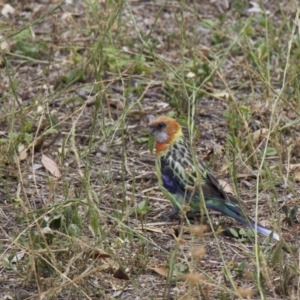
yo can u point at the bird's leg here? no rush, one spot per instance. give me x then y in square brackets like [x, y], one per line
[171, 215]
[191, 215]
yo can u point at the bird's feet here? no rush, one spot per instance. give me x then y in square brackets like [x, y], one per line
[174, 214]
[171, 215]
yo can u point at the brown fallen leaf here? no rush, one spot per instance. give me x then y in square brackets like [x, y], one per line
[96, 254]
[226, 187]
[115, 103]
[51, 166]
[119, 274]
[244, 176]
[161, 270]
[152, 229]
[297, 176]
[294, 167]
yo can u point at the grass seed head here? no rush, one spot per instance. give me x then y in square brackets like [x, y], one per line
[194, 277]
[245, 292]
[198, 252]
[199, 230]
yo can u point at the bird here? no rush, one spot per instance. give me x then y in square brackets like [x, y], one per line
[184, 182]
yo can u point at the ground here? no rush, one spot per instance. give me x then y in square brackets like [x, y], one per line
[82, 215]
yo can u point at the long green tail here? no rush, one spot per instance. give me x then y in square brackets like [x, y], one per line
[233, 211]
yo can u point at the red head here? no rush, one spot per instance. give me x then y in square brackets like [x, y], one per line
[165, 131]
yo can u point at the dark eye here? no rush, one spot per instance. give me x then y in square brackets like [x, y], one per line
[161, 125]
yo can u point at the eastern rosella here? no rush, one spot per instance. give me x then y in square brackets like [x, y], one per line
[177, 174]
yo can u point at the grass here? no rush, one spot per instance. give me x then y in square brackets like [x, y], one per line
[81, 94]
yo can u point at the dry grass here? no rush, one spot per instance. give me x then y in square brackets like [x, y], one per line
[81, 213]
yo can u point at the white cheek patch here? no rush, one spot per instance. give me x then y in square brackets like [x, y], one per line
[161, 137]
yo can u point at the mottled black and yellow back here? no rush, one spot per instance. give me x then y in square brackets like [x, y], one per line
[186, 181]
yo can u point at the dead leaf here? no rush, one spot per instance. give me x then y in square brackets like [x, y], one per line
[22, 152]
[223, 169]
[221, 95]
[51, 166]
[297, 176]
[226, 187]
[119, 274]
[4, 46]
[259, 135]
[18, 256]
[294, 167]
[7, 11]
[152, 229]
[115, 103]
[95, 254]
[256, 8]
[161, 270]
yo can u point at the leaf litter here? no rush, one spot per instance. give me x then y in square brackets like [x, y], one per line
[52, 53]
